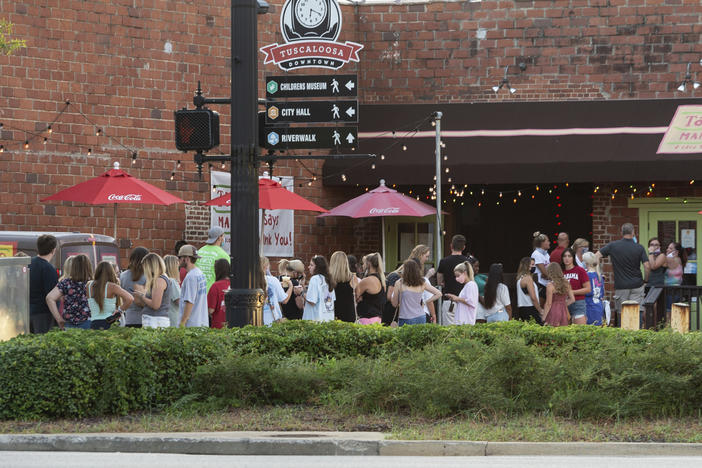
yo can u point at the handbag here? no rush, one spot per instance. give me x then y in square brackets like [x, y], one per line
[394, 323]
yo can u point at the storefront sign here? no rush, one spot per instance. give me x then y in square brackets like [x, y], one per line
[278, 225]
[684, 135]
[310, 29]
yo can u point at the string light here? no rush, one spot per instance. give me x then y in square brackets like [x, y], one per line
[537, 188]
[445, 158]
[26, 144]
[224, 166]
[382, 157]
[172, 175]
[134, 156]
[519, 193]
[692, 181]
[2, 148]
[343, 177]
[482, 191]
[447, 170]
[48, 129]
[45, 140]
[500, 194]
[309, 184]
[404, 147]
[90, 151]
[373, 166]
[98, 132]
[178, 164]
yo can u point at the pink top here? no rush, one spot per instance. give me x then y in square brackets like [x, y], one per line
[465, 313]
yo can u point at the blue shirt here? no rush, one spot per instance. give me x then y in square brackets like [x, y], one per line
[594, 307]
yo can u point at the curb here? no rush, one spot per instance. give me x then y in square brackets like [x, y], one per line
[327, 444]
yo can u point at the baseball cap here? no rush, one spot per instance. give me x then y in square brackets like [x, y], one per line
[188, 251]
[214, 234]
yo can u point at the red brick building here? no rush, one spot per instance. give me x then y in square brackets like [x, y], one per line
[126, 66]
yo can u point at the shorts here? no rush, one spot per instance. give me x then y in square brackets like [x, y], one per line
[369, 321]
[149, 321]
[578, 309]
[422, 319]
[529, 313]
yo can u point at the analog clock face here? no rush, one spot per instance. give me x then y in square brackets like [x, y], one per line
[311, 13]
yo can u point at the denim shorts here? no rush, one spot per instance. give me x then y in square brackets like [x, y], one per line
[82, 325]
[413, 321]
[500, 316]
[578, 308]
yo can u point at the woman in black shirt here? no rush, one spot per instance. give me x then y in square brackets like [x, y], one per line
[371, 291]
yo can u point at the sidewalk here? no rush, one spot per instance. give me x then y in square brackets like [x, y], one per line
[323, 443]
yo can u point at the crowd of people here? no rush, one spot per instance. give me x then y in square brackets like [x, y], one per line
[561, 287]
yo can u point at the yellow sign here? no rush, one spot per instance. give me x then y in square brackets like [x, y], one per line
[7, 250]
[684, 134]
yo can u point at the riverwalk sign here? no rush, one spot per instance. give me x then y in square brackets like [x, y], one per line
[311, 112]
[311, 137]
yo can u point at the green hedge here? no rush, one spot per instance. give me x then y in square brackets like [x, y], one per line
[88, 373]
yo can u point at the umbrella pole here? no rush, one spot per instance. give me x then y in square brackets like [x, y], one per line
[114, 220]
[382, 239]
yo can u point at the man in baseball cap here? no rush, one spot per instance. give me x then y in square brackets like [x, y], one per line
[192, 308]
[210, 253]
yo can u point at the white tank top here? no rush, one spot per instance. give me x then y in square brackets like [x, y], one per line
[523, 299]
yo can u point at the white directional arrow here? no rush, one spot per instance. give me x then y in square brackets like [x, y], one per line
[350, 111]
[350, 85]
[350, 138]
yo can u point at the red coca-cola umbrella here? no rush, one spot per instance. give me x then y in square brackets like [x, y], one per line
[272, 196]
[115, 186]
[380, 202]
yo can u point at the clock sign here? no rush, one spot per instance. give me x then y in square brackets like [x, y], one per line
[311, 29]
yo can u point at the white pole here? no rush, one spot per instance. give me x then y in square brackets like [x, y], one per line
[437, 255]
[382, 226]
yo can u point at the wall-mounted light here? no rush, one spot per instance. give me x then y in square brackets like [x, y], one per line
[688, 79]
[504, 83]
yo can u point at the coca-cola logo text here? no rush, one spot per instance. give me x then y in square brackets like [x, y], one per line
[384, 211]
[127, 197]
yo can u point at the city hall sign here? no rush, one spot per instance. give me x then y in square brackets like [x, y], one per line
[310, 29]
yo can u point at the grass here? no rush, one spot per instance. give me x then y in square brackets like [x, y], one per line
[529, 428]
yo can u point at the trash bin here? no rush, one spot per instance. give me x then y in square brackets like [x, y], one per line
[14, 296]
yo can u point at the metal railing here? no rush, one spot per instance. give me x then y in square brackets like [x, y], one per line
[659, 300]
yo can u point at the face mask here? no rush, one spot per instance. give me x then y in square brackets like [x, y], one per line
[670, 255]
[585, 250]
[635, 240]
[532, 269]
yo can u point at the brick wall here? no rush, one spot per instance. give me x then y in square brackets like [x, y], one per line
[126, 65]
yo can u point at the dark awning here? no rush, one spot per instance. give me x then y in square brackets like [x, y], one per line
[616, 157]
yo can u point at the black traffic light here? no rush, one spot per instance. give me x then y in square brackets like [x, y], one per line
[196, 129]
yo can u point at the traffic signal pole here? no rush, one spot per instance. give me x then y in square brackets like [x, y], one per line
[244, 300]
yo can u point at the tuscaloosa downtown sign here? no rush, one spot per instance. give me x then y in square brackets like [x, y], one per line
[310, 29]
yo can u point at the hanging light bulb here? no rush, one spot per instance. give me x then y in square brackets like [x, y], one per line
[382, 157]
[447, 170]
[445, 158]
[309, 184]
[482, 191]
[48, 129]
[404, 147]
[314, 178]
[2, 148]
[443, 145]
[134, 156]
[178, 164]
[90, 151]
[514, 200]
[480, 203]
[343, 177]
[224, 166]
[449, 180]
[373, 166]
[98, 132]
[692, 181]
[45, 140]
[26, 144]
[537, 188]
[500, 194]
[172, 175]
[433, 123]
[519, 193]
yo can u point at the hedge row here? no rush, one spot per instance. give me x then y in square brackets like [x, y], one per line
[88, 373]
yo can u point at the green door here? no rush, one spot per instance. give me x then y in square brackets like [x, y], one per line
[402, 234]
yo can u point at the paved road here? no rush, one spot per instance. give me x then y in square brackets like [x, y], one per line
[138, 460]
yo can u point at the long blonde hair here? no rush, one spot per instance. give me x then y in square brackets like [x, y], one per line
[66, 273]
[590, 261]
[339, 268]
[172, 267]
[104, 273]
[418, 252]
[153, 268]
[376, 261]
[555, 274]
[466, 268]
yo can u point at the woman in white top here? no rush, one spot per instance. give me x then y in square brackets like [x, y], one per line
[580, 247]
[528, 306]
[319, 298]
[495, 305]
[541, 261]
[105, 297]
[466, 302]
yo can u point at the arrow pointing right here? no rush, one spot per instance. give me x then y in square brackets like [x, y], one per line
[350, 111]
[350, 85]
